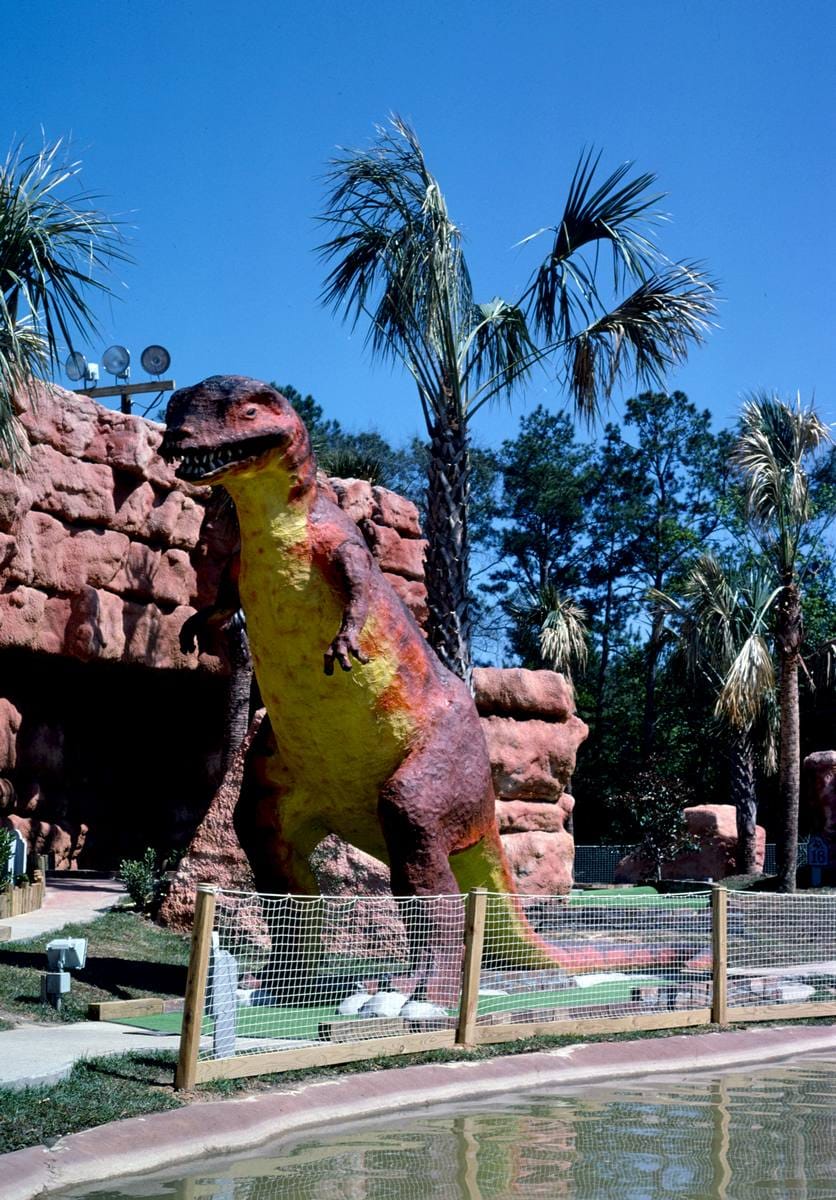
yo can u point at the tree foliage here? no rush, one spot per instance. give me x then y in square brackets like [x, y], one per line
[54, 244]
[397, 266]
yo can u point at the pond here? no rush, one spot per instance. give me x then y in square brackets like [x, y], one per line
[768, 1134]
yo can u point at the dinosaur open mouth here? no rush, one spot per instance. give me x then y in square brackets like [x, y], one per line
[205, 461]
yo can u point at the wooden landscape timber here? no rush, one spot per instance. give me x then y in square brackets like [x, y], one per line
[26, 898]
[112, 1010]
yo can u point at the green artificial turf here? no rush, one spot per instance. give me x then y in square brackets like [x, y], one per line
[267, 1021]
[637, 897]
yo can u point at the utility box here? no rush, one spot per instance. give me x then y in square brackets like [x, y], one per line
[62, 956]
[55, 983]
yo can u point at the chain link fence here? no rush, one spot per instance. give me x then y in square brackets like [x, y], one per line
[596, 864]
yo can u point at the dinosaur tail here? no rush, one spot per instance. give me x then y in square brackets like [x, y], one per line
[510, 941]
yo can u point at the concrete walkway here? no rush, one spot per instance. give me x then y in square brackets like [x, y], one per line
[32, 1055]
[66, 900]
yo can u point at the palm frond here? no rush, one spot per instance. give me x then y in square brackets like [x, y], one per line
[612, 212]
[52, 245]
[23, 358]
[775, 442]
[563, 632]
[721, 625]
[398, 258]
[498, 352]
[750, 678]
[645, 334]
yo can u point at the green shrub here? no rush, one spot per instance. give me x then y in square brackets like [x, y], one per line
[143, 881]
[7, 841]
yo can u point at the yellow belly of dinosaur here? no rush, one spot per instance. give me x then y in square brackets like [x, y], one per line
[338, 739]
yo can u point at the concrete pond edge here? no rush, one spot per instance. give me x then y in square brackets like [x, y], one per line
[203, 1128]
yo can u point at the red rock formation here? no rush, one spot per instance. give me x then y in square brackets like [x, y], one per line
[103, 555]
[97, 528]
[533, 736]
[714, 828]
[819, 775]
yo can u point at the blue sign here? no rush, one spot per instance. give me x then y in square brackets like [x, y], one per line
[818, 852]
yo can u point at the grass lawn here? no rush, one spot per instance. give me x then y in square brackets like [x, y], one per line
[97, 1091]
[127, 957]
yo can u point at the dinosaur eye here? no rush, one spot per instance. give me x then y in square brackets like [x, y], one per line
[251, 411]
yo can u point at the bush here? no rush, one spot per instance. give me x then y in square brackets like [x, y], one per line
[649, 818]
[7, 841]
[143, 881]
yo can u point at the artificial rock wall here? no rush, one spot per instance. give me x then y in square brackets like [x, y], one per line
[109, 736]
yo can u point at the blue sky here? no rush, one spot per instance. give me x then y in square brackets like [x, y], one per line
[208, 125]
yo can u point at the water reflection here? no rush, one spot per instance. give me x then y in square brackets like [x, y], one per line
[768, 1135]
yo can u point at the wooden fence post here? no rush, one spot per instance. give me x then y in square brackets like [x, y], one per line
[474, 939]
[719, 955]
[204, 919]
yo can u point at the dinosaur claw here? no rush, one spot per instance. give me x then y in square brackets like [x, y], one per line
[343, 649]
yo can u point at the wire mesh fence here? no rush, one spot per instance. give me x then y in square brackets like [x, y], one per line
[291, 981]
[781, 949]
[294, 971]
[594, 954]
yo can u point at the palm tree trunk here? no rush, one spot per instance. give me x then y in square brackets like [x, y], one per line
[744, 798]
[788, 636]
[653, 651]
[448, 552]
[603, 665]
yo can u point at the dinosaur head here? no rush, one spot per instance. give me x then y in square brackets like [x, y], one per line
[231, 425]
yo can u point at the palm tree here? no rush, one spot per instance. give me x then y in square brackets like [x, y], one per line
[398, 264]
[50, 247]
[562, 632]
[775, 447]
[722, 625]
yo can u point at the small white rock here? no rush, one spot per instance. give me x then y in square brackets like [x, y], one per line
[383, 1004]
[422, 1010]
[352, 1004]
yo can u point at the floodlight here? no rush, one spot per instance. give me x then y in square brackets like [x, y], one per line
[155, 360]
[66, 954]
[117, 361]
[76, 366]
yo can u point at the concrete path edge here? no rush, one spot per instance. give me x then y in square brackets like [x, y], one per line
[181, 1136]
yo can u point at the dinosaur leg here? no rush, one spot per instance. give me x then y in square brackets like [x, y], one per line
[438, 801]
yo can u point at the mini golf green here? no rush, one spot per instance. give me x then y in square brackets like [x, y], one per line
[303, 1022]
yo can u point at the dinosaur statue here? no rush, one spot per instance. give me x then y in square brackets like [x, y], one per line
[387, 752]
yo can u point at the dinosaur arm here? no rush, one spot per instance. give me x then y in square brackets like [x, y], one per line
[352, 563]
[196, 631]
